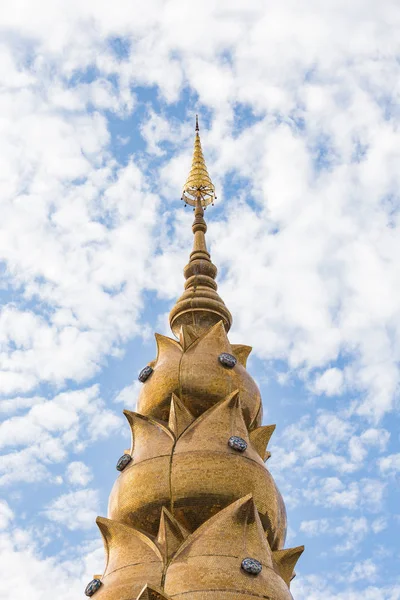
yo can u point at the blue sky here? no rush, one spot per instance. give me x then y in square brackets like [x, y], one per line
[300, 129]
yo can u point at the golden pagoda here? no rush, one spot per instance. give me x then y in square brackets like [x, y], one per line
[194, 513]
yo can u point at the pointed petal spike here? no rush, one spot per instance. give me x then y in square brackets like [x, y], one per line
[242, 353]
[150, 438]
[246, 535]
[260, 438]
[165, 344]
[180, 417]
[187, 336]
[215, 426]
[171, 534]
[152, 593]
[285, 561]
[215, 338]
[122, 543]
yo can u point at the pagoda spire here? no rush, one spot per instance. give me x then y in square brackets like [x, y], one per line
[198, 186]
[200, 307]
[194, 513]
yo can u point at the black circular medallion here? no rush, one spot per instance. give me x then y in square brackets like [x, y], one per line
[237, 443]
[92, 587]
[227, 360]
[252, 566]
[123, 462]
[145, 373]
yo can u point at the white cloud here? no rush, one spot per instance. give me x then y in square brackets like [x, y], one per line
[78, 473]
[51, 428]
[42, 576]
[390, 464]
[363, 571]
[333, 492]
[329, 383]
[75, 510]
[327, 441]
[6, 514]
[315, 587]
[128, 395]
[351, 531]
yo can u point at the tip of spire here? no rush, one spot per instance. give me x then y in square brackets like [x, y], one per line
[198, 186]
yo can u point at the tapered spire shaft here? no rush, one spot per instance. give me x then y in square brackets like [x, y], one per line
[200, 306]
[198, 185]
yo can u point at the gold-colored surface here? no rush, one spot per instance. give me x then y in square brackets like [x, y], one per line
[180, 417]
[204, 381]
[260, 437]
[207, 475]
[155, 396]
[171, 535]
[285, 562]
[241, 352]
[143, 487]
[200, 306]
[152, 593]
[188, 508]
[210, 559]
[198, 185]
[133, 559]
[198, 378]
[190, 468]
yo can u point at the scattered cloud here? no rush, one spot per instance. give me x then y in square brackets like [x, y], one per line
[75, 510]
[51, 429]
[78, 473]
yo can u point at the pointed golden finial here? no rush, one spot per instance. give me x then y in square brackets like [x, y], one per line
[199, 307]
[198, 186]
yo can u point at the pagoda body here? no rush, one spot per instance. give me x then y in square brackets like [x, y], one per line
[194, 513]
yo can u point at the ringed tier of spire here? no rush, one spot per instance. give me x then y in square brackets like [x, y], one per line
[200, 306]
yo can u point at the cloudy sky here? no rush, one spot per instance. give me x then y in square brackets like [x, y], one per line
[299, 114]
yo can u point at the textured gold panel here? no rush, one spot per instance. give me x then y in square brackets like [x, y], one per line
[285, 562]
[210, 559]
[140, 492]
[155, 396]
[180, 417]
[199, 474]
[132, 560]
[198, 378]
[204, 381]
[171, 534]
[151, 593]
[260, 437]
[150, 438]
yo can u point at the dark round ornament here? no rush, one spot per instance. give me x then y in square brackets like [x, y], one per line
[92, 587]
[123, 462]
[237, 443]
[145, 374]
[252, 566]
[227, 360]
